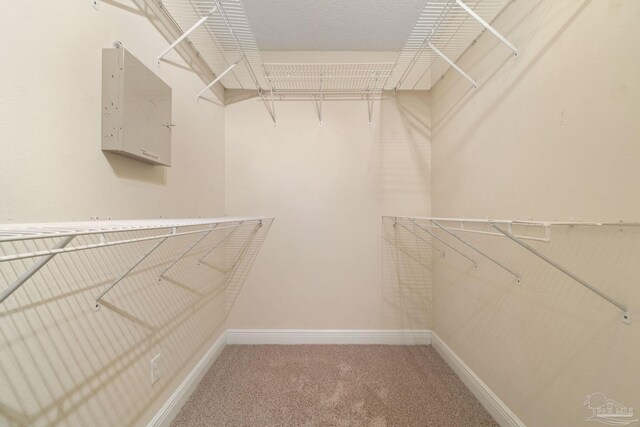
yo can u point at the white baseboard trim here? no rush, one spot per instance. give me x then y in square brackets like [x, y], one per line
[172, 406]
[491, 402]
[329, 336]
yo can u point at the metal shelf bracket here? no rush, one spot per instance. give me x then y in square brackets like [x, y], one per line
[217, 79]
[475, 264]
[317, 100]
[189, 249]
[270, 106]
[396, 223]
[370, 109]
[460, 239]
[187, 33]
[626, 318]
[123, 275]
[34, 269]
[486, 25]
[453, 64]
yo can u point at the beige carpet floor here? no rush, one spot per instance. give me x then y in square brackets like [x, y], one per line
[331, 385]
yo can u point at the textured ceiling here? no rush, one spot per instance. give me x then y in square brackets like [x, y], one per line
[332, 25]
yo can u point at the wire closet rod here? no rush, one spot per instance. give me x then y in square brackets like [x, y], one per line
[56, 251]
[16, 232]
[546, 237]
[526, 222]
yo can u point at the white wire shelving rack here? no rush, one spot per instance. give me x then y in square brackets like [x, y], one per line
[221, 34]
[455, 228]
[60, 237]
[321, 81]
[445, 29]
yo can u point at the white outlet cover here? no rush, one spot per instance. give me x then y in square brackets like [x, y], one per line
[155, 369]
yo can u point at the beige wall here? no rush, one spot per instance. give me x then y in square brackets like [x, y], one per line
[551, 134]
[51, 87]
[61, 363]
[327, 187]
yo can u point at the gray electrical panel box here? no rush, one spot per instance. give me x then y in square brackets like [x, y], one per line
[136, 109]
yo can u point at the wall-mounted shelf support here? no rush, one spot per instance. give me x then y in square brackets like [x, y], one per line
[395, 223]
[186, 33]
[475, 264]
[460, 239]
[183, 254]
[217, 245]
[625, 312]
[33, 269]
[370, 101]
[273, 108]
[453, 64]
[486, 25]
[504, 229]
[318, 102]
[217, 79]
[269, 105]
[123, 275]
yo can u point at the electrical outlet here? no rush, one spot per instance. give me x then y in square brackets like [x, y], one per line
[155, 369]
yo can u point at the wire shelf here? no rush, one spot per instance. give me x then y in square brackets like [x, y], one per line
[441, 228]
[220, 31]
[328, 80]
[222, 40]
[15, 232]
[446, 25]
[92, 235]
